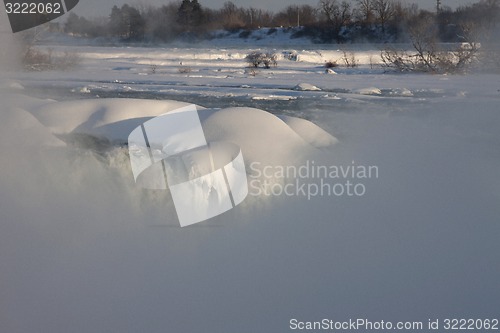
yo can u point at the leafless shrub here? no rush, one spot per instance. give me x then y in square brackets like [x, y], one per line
[35, 59]
[488, 55]
[455, 61]
[428, 56]
[331, 64]
[268, 59]
[399, 60]
[349, 59]
[460, 59]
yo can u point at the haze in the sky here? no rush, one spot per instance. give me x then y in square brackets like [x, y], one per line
[99, 7]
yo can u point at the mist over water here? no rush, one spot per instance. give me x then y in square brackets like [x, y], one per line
[10, 45]
[82, 249]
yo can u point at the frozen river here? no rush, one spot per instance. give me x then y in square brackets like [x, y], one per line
[83, 250]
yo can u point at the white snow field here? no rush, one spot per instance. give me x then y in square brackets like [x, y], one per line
[83, 249]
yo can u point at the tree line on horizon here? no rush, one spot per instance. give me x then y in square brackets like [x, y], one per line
[328, 21]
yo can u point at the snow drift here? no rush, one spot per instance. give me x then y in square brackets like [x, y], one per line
[261, 135]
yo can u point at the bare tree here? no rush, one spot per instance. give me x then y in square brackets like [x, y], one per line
[337, 15]
[384, 11]
[288, 17]
[330, 9]
[258, 18]
[308, 15]
[231, 16]
[345, 13]
[365, 9]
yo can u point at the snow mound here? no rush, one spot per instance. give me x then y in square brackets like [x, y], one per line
[310, 132]
[21, 101]
[261, 135]
[368, 91]
[306, 87]
[112, 119]
[19, 126]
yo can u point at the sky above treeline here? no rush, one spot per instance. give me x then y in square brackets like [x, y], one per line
[90, 8]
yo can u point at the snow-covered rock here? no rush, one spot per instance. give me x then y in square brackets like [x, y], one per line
[368, 91]
[306, 87]
[15, 86]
